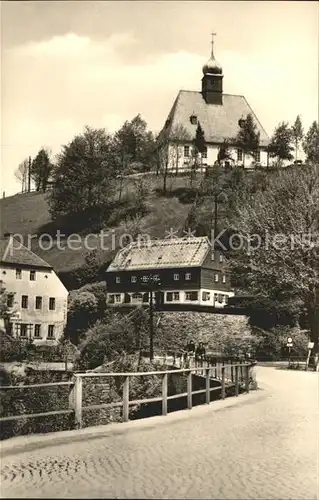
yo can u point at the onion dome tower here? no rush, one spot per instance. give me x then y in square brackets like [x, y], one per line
[212, 81]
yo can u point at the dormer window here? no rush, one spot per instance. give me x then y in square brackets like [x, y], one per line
[193, 119]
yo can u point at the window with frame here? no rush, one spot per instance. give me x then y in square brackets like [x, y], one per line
[24, 302]
[10, 298]
[216, 278]
[38, 302]
[169, 296]
[213, 255]
[117, 279]
[37, 331]
[118, 297]
[191, 295]
[51, 303]
[226, 299]
[204, 153]
[220, 298]
[145, 297]
[257, 155]
[10, 328]
[206, 296]
[32, 275]
[111, 299]
[50, 331]
[133, 279]
[224, 278]
[18, 274]
[186, 151]
[188, 276]
[137, 296]
[175, 295]
[221, 258]
[215, 297]
[239, 155]
[145, 279]
[176, 277]
[23, 330]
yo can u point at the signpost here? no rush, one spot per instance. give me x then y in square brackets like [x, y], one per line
[289, 345]
[310, 347]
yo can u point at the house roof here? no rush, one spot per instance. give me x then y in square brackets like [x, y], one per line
[219, 122]
[179, 252]
[12, 252]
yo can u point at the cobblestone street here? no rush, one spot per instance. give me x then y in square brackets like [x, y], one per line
[263, 447]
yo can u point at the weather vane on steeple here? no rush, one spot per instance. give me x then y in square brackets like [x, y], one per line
[213, 35]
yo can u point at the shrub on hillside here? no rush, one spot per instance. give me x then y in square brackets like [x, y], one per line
[108, 338]
[17, 350]
[82, 312]
[98, 289]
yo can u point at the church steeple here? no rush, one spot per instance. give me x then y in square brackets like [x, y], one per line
[212, 81]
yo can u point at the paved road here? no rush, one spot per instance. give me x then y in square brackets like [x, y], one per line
[263, 447]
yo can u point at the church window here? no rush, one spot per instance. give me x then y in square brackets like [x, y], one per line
[186, 151]
[193, 119]
[239, 154]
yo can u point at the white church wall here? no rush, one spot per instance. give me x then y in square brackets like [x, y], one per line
[179, 161]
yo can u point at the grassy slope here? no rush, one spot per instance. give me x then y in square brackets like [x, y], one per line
[27, 213]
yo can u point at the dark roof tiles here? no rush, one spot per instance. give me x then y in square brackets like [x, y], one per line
[12, 252]
[219, 122]
[179, 252]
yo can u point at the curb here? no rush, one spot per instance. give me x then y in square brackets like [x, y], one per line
[23, 444]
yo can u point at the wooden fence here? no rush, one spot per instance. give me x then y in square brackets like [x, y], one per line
[240, 371]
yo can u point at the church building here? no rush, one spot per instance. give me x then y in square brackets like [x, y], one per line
[220, 117]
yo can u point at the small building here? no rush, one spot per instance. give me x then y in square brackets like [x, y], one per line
[36, 295]
[220, 116]
[178, 271]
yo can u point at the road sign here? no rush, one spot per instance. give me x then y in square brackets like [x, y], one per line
[311, 345]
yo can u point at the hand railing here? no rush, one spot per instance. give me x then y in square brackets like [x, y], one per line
[240, 370]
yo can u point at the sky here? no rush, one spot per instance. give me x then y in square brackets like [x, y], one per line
[70, 64]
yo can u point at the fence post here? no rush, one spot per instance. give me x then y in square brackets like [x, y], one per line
[164, 394]
[236, 380]
[247, 378]
[189, 391]
[207, 386]
[75, 401]
[126, 398]
[223, 383]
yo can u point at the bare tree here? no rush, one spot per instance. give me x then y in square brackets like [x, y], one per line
[178, 136]
[21, 174]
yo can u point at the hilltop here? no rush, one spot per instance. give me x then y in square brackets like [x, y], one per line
[28, 214]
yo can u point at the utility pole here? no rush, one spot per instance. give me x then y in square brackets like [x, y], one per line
[29, 175]
[151, 327]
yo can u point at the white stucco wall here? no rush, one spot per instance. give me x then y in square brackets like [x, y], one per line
[178, 160]
[213, 300]
[46, 285]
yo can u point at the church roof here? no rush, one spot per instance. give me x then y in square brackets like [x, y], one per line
[219, 122]
[12, 252]
[177, 252]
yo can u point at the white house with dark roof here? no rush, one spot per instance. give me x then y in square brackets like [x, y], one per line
[220, 116]
[36, 295]
[178, 271]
